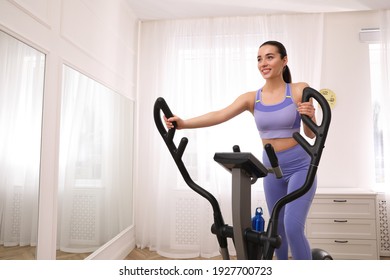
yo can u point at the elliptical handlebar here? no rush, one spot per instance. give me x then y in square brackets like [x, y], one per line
[273, 160]
[314, 151]
[321, 131]
[219, 228]
[161, 105]
[177, 152]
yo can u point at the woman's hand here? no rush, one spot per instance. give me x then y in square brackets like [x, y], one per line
[169, 122]
[307, 108]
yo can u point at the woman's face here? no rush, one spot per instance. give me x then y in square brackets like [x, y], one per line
[269, 62]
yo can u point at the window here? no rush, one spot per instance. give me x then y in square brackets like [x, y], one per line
[202, 76]
[378, 111]
[89, 158]
[372, 37]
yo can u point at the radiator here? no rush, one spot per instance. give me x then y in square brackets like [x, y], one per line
[15, 214]
[84, 218]
[383, 225]
[186, 221]
[185, 224]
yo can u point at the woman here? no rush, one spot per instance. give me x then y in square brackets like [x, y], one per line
[277, 109]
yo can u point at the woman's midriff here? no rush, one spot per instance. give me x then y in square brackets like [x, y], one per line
[280, 144]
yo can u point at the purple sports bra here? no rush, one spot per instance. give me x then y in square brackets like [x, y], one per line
[279, 120]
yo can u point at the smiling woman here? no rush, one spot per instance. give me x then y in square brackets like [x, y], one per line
[199, 66]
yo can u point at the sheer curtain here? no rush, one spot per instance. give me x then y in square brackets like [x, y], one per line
[385, 97]
[197, 66]
[95, 188]
[21, 96]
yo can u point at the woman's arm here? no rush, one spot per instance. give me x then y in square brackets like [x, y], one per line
[243, 103]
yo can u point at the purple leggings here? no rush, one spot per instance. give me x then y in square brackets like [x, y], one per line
[294, 163]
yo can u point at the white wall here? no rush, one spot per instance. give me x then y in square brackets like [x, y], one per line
[348, 156]
[97, 37]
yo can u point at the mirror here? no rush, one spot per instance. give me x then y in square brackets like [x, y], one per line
[21, 97]
[95, 175]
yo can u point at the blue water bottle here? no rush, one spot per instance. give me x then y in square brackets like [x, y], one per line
[258, 220]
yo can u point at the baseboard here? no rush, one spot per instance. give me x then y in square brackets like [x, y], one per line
[117, 248]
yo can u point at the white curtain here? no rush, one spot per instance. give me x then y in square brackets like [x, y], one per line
[95, 188]
[385, 97]
[201, 65]
[21, 96]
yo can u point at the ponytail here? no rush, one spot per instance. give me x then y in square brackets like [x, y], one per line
[287, 75]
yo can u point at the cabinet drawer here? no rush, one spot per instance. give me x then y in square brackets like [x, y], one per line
[341, 228]
[342, 208]
[347, 250]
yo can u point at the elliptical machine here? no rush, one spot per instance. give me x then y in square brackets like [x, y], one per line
[246, 169]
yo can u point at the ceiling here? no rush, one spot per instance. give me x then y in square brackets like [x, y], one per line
[176, 9]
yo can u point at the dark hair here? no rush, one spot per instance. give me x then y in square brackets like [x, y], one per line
[283, 53]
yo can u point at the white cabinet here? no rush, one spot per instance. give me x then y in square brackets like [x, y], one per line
[344, 225]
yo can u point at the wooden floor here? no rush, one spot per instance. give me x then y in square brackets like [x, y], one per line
[28, 253]
[17, 253]
[145, 254]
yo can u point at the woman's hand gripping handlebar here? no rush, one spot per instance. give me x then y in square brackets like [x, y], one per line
[167, 135]
[177, 152]
[321, 131]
